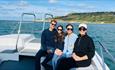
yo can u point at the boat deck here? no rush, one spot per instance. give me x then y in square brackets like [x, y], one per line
[25, 63]
[24, 59]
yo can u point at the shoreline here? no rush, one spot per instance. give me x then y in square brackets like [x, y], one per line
[61, 21]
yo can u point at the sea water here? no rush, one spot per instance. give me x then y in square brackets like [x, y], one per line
[105, 33]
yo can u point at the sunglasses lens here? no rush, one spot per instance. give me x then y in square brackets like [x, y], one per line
[70, 29]
[82, 29]
[54, 24]
[59, 29]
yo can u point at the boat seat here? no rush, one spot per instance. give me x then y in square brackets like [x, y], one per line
[90, 67]
[30, 49]
[80, 68]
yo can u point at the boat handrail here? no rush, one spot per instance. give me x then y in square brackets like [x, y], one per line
[44, 19]
[102, 47]
[103, 64]
[20, 24]
[106, 50]
[14, 28]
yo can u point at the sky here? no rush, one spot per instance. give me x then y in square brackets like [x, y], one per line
[12, 9]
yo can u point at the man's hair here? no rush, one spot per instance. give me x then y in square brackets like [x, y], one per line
[53, 20]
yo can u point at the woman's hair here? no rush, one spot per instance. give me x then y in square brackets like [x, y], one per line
[70, 25]
[60, 26]
[59, 37]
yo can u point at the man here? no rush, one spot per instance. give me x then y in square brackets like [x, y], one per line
[83, 52]
[47, 46]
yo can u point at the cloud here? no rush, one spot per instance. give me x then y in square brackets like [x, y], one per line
[53, 1]
[76, 7]
[82, 5]
[16, 9]
[86, 6]
[112, 9]
[23, 3]
[9, 10]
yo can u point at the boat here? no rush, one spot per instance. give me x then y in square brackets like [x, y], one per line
[17, 51]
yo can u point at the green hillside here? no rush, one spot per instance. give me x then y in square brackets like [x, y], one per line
[97, 17]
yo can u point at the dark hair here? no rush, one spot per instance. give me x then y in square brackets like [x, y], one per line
[69, 25]
[60, 26]
[58, 37]
[53, 20]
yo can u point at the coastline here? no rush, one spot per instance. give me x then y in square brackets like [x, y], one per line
[62, 21]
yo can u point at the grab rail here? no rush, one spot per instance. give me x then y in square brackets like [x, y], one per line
[20, 24]
[105, 49]
[103, 64]
[112, 57]
[44, 19]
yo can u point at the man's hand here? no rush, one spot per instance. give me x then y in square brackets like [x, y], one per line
[58, 52]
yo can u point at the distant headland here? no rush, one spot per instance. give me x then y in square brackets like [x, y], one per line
[91, 17]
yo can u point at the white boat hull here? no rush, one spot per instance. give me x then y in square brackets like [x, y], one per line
[30, 46]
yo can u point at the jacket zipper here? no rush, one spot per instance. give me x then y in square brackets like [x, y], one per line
[79, 41]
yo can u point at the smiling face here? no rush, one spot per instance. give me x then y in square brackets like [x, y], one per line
[52, 25]
[82, 30]
[59, 29]
[69, 30]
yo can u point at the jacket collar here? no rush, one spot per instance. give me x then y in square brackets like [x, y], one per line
[82, 36]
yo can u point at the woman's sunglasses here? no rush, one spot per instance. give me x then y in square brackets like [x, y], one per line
[70, 29]
[59, 29]
[82, 28]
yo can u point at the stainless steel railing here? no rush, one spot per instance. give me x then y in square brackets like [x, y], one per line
[102, 47]
[20, 25]
[44, 19]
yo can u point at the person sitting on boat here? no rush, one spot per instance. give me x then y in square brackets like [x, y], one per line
[59, 39]
[69, 41]
[83, 52]
[47, 46]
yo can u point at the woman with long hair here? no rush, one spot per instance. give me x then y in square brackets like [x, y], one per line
[59, 40]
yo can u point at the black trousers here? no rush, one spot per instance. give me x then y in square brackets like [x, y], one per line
[38, 56]
[68, 63]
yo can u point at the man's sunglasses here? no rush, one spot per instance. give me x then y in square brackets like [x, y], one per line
[53, 24]
[82, 28]
[70, 29]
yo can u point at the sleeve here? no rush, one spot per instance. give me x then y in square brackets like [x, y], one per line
[64, 50]
[61, 47]
[74, 43]
[91, 49]
[43, 43]
[74, 49]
